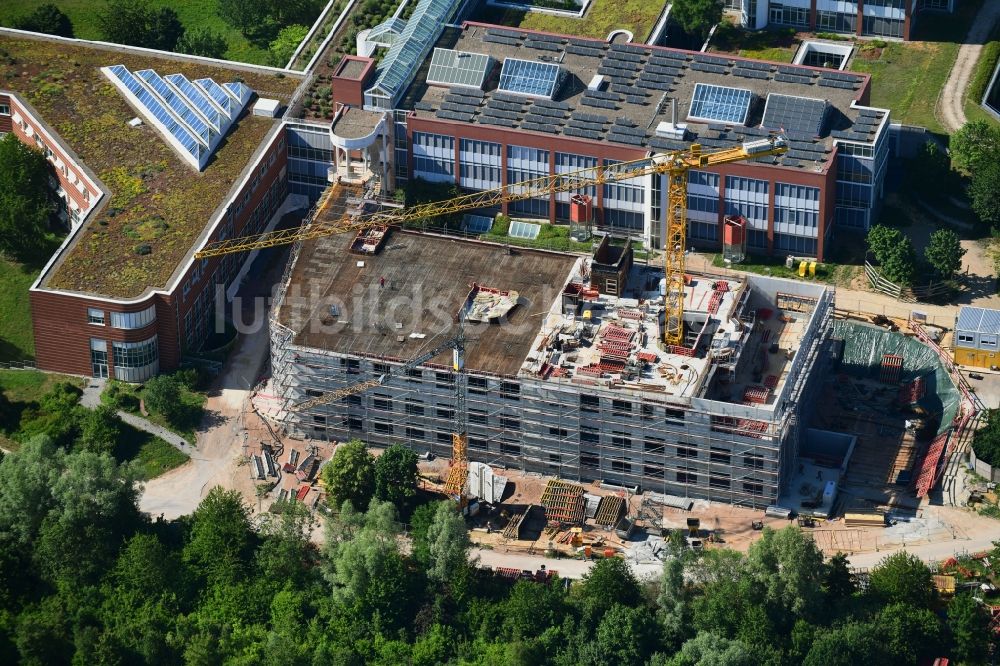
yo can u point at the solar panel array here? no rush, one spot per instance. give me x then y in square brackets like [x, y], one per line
[720, 103]
[528, 77]
[476, 224]
[795, 114]
[458, 68]
[193, 116]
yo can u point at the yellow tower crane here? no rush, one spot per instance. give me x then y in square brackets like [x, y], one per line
[674, 166]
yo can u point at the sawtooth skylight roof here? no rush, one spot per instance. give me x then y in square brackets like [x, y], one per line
[192, 116]
[720, 104]
[400, 65]
[529, 77]
[458, 68]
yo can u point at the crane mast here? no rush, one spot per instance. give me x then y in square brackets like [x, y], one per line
[675, 166]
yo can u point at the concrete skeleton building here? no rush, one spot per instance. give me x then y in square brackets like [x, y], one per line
[570, 380]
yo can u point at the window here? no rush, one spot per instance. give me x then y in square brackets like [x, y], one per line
[590, 403]
[414, 407]
[719, 481]
[988, 340]
[380, 368]
[753, 461]
[510, 423]
[95, 316]
[621, 408]
[382, 427]
[558, 432]
[590, 437]
[415, 433]
[719, 456]
[647, 412]
[99, 357]
[650, 469]
[686, 452]
[313, 393]
[477, 416]
[965, 337]
[675, 415]
[414, 375]
[656, 446]
[478, 443]
[320, 419]
[434, 157]
[510, 390]
[555, 457]
[135, 361]
[619, 465]
[443, 413]
[477, 385]
[589, 461]
[510, 449]
[621, 440]
[354, 423]
[443, 437]
[687, 477]
[4, 109]
[479, 164]
[351, 365]
[382, 402]
[133, 320]
[444, 380]
[354, 400]
[753, 487]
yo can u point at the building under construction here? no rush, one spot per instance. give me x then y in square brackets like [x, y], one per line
[565, 371]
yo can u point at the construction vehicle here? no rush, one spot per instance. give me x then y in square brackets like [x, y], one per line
[675, 166]
[455, 484]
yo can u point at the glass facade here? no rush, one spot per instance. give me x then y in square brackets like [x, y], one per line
[796, 218]
[567, 163]
[624, 203]
[479, 164]
[703, 205]
[135, 361]
[310, 155]
[525, 163]
[788, 14]
[434, 157]
[99, 357]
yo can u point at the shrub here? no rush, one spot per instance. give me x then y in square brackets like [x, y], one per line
[143, 249]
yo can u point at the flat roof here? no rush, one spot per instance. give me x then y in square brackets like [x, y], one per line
[355, 123]
[405, 299]
[639, 82]
[978, 320]
[156, 198]
[352, 67]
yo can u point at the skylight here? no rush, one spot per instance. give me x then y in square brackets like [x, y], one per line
[529, 77]
[719, 104]
[193, 117]
[458, 68]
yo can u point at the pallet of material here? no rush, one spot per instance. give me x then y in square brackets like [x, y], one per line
[864, 519]
[610, 510]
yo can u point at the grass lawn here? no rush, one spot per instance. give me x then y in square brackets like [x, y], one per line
[22, 387]
[150, 455]
[830, 273]
[192, 13]
[550, 237]
[193, 400]
[16, 340]
[908, 76]
[603, 16]
[771, 45]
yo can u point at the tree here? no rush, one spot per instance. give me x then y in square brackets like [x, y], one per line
[100, 430]
[986, 443]
[900, 266]
[902, 577]
[286, 42]
[696, 17]
[673, 600]
[974, 144]
[530, 608]
[609, 582]
[624, 636]
[202, 42]
[985, 191]
[968, 623]
[909, 635]
[790, 567]
[221, 537]
[162, 395]
[882, 240]
[930, 175]
[244, 15]
[350, 475]
[711, 649]
[57, 416]
[396, 475]
[25, 199]
[448, 544]
[47, 19]
[851, 644]
[944, 253]
[838, 581]
[134, 23]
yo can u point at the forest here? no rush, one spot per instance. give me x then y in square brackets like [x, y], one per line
[86, 578]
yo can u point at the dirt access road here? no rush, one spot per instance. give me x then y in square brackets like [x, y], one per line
[951, 102]
[215, 459]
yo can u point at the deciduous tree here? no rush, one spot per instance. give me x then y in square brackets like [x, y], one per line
[244, 15]
[26, 202]
[985, 191]
[396, 475]
[285, 43]
[221, 539]
[790, 567]
[969, 624]
[696, 17]
[202, 42]
[48, 19]
[944, 253]
[350, 475]
[162, 395]
[975, 143]
[882, 240]
[448, 544]
[100, 430]
[902, 577]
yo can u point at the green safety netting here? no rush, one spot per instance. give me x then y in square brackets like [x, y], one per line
[864, 346]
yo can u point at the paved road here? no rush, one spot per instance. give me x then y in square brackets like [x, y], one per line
[950, 106]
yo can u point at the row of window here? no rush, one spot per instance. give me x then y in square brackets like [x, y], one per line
[123, 320]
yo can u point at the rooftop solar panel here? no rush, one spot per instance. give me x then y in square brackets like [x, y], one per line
[635, 99]
[722, 104]
[667, 144]
[542, 46]
[550, 104]
[494, 120]
[668, 55]
[711, 60]
[527, 77]
[789, 161]
[455, 115]
[581, 41]
[542, 37]
[500, 39]
[461, 108]
[541, 120]
[424, 106]
[751, 73]
[599, 103]
[547, 112]
[590, 117]
[458, 68]
[703, 67]
[602, 94]
[582, 133]
[467, 92]
[788, 78]
[796, 114]
[505, 105]
[627, 89]
[539, 127]
[629, 48]
[624, 55]
[754, 64]
[652, 85]
[505, 33]
[583, 124]
[627, 139]
[660, 69]
[796, 71]
[500, 113]
[583, 51]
